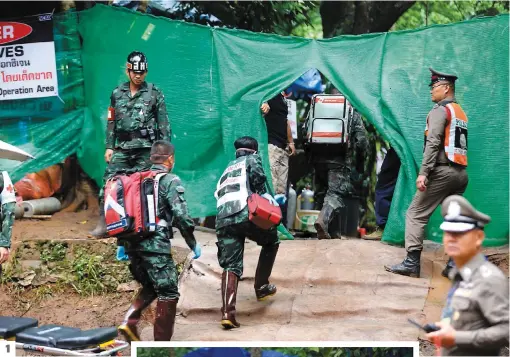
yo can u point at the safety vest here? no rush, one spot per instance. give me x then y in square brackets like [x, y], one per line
[232, 191]
[7, 195]
[455, 134]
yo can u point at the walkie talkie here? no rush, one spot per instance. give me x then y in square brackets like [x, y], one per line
[427, 327]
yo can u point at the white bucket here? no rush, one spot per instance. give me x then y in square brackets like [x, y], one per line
[305, 220]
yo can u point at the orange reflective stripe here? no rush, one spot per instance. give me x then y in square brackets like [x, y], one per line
[327, 134]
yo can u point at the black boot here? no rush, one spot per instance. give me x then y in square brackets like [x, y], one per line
[128, 327]
[409, 267]
[322, 223]
[228, 297]
[449, 266]
[100, 230]
[165, 319]
[263, 289]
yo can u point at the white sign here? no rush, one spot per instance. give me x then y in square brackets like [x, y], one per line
[27, 58]
[292, 117]
[7, 348]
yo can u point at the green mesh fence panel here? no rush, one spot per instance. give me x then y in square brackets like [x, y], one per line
[215, 80]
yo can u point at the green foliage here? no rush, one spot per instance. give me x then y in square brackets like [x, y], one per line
[52, 251]
[425, 13]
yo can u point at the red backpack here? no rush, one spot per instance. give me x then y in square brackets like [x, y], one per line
[131, 204]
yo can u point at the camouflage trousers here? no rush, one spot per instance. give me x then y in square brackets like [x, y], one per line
[332, 185]
[156, 273]
[279, 162]
[231, 243]
[133, 159]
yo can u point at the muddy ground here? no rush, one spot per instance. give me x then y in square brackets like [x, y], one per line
[58, 303]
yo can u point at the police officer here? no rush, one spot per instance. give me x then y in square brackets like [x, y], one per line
[475, 319]
[151, 261]
[8, 204]
[443, 168]
[137, 117]
[333, 183]
[242, 176]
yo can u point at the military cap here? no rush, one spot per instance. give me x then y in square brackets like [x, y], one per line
[460, 216]
[436, 76]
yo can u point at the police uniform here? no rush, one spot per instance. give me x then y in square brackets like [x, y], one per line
[444, 165]
[152, 264]
[134, 123]
[242, 176]
[7, 204]
[477, 305]
[332, 178]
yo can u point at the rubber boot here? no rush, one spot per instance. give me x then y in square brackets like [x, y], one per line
[229, 283]
[263, 289]
[449, 266]
[100, 230]
[322, 223]
[165, 319]
[409, 267]
[128, 327]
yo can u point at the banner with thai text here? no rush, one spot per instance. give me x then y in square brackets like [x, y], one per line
[27, 58]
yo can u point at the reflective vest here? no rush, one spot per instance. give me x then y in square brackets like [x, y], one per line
[232, 191]
[455, 134]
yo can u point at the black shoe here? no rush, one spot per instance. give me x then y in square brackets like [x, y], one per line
[265, 292]
[409, 267]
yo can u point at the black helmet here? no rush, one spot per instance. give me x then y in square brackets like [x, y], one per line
[137, 62]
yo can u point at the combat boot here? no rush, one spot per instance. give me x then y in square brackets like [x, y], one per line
[409, 267]
[449, 266]
[322, 223]
[100, 230]
[165, 319]
[128, 327]
[228, 296]
[263, 289]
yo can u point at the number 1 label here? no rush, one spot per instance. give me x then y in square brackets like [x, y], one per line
[7, 348]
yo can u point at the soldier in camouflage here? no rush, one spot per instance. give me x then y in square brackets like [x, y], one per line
[7, 204]
[334, 174]
[137, 117]
[243, 176]
[151, 260]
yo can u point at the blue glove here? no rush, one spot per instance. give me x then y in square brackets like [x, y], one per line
[197, 251]
[280, 198]
[121, 253]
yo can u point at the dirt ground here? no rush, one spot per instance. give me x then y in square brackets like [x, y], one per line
[65, 306]
[69, 308]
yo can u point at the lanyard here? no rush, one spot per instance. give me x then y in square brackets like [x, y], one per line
[448, 311]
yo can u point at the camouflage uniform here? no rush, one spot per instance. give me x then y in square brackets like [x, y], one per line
[231, 231]
[151, 260]
[334, 173]
[8, 204]
[134, 123]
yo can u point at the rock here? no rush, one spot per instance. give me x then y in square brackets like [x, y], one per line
[131, 286]
[30, 264]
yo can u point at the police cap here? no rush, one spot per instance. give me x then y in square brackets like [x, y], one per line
[460, 216]
[436, 76]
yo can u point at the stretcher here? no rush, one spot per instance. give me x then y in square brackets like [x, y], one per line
[57, 340]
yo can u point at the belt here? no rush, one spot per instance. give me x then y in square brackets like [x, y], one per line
[137, 134]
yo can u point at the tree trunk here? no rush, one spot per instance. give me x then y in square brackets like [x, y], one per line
[354, 18]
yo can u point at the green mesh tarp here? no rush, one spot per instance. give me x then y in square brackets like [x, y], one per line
[214, 81]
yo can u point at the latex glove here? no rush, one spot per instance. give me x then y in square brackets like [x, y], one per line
[280, 198]
[197, 251]
[270, 198]
[121, 253]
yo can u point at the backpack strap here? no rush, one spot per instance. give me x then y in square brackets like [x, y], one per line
[157, 179]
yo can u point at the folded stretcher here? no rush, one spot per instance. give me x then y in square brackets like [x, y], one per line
[59, 340]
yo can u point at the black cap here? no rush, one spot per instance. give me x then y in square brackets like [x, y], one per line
[436, 76]
[137, 62]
